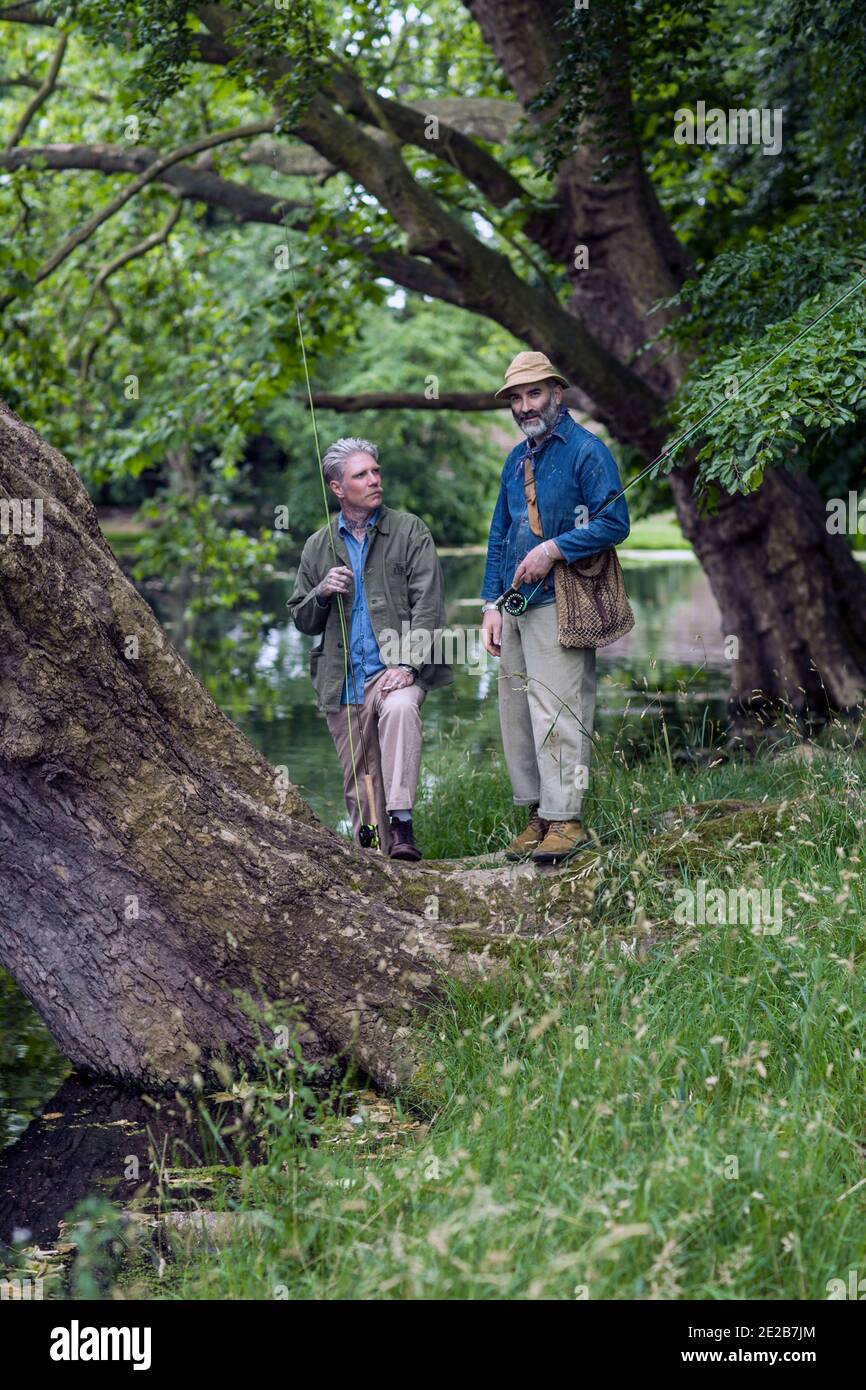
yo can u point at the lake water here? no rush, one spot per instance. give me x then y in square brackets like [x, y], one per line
[671, 664]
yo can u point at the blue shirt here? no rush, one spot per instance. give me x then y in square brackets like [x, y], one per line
[575, 474]
[364, 649]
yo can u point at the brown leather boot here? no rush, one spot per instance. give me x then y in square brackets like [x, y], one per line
[562, 839]
[402, 840]
[528, 839]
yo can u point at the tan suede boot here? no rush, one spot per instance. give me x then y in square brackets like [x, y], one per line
[528, 839]
[562, 839]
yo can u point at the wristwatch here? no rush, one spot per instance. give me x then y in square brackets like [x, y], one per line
[490, 608]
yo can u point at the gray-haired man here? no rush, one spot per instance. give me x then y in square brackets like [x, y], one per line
[391, 584]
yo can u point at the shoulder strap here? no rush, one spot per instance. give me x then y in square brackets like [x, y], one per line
[531, 498]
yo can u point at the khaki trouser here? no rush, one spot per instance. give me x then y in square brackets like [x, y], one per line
[391, 728]
[546, 710]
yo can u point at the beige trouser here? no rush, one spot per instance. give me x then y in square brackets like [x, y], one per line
[391, 730]
[546, 710]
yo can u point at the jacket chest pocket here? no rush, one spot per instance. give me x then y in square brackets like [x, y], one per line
[398, 584]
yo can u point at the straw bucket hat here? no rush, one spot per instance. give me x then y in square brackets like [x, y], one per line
[527, 367]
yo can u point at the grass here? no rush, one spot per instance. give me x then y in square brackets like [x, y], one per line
[660, 531]
[670, 1111]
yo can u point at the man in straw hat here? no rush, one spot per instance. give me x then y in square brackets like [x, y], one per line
[546, 691]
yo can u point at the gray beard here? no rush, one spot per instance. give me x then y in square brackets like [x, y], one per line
[537, 429]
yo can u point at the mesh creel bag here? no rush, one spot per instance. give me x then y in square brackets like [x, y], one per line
[591, 602]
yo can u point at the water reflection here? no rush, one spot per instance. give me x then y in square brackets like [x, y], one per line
[93, 1136]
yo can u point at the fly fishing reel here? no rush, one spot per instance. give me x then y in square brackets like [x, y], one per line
[514, 602]
[368, 837]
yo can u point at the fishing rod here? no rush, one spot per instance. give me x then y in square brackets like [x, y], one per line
[368, 830]
[516, 603]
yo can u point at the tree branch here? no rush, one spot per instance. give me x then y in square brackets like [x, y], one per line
[297, 161]
[484, 280]
[190, 181]
[42, 94]
[405, 400]
[409, 123]
[488, 118]
[410, 126]
[86, 230]
[635, 258]
[25, 14]
[141, 248]
[491, 118]
[412, 273]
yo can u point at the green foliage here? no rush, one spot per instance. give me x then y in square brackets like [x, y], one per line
[204, 325]
[225, 566]
[416, 50]
[438, 464]
[779, 384]
[181, 378]
[163, 32]
[671, 50]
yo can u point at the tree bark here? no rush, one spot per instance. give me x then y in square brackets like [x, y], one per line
[155, 869]
[793, 594]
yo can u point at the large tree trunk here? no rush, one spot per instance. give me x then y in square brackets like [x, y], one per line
[793, 596]
[153, 864]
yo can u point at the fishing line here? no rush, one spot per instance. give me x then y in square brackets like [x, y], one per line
[516, 603]
[368, 831]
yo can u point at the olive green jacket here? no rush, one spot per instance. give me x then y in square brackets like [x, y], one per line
[405, 599]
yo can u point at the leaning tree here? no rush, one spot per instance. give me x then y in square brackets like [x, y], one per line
[790, 592]
[162, 885]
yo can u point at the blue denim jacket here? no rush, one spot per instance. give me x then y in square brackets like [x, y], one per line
[573, 469]
[366, 657]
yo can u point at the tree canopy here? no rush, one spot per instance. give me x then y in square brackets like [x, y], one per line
[425, 181]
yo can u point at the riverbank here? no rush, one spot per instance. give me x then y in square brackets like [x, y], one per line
[667, 1109]
[660, 532]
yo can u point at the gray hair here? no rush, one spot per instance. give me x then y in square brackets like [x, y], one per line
[334, 461]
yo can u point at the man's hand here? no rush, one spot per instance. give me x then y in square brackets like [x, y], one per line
[536, 564]
[336, 581]
[395, 678]
[491, 632]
